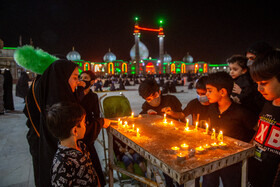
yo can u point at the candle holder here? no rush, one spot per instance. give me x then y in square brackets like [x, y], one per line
[181, 157]
[222, 145]
[200, 150]
[207, 147]
[175, 149]
[214, 145]
[184, 147]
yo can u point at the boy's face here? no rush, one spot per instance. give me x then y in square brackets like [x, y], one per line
[154, 99]
[236, 70]
[270, 89]
[81, 129]
[213, 94]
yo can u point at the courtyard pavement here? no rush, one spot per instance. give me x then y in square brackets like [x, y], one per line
[15, 160]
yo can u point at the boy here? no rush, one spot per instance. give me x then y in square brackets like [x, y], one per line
[158, 104]
[232, 119]
[71, 164]
[199, 106]
[244, 90]
[263, 167]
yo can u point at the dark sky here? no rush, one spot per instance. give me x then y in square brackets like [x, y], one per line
[210, 30]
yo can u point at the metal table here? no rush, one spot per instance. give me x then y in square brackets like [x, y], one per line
[157, 138]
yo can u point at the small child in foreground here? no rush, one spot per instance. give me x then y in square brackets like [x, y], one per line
[72, 165]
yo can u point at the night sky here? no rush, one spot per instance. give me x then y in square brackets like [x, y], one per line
[210, 31]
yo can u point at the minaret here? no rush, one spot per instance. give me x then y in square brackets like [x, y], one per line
[161, 45]
[137, 53]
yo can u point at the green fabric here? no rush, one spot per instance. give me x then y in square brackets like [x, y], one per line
[35, 60]
[116, 106]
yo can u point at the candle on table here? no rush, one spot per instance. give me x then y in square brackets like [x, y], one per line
[187, 129]
[164, 116]
[206, 131]
[199, 150]
[196, 125]
[175, 149]
[214, 145]
[213, 135]
[206, 147]
[171, 123]
[125, 124]
[181, 157]
[120, 125]
[165, 122]
[138, 134]
[133, 127]
[187, 123]
[184, 146]
[132, 115]
[220, 136]
[222, 145]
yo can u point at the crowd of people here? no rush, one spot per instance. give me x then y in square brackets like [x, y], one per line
[64, 118]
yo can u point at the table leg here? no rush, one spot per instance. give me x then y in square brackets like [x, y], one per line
[190, 183]
[111, 159]
[244, 177]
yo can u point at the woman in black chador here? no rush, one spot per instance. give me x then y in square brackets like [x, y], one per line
[22, 85]
[57, 84]
[8, 91]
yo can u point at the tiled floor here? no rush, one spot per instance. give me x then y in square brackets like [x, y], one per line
[16, 166]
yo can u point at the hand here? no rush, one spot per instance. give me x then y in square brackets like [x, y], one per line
[235, 99]
[151, 112]
[236, 89]
[166, 110]
[107, 122]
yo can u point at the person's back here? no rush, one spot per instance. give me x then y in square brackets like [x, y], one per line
[71, 165]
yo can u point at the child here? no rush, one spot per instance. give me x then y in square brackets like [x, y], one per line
[72, 165]
[263, 167]
[199, 106]
[244, 90]
[232, 119]
[156, 103]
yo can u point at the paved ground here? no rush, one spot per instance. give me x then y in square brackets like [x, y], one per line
[16, 166]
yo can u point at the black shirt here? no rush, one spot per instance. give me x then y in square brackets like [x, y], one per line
[166, 101]
[195, 107]
[235, 122]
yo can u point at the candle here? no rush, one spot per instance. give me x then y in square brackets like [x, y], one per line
[133, 127]
[220, 136]
[175, 149]
[222, 145]
[214, 145]
[213, 135]
[196, 125]
[132, 115]
[119, 121]
[171, 123]
[199, 150]
[165, 122]
[187, 129]
[164, 116]
[138, 134]
[206, 147]
[181, 157]
[184, 146]
[206, 131]
[120, 125]
[125, 124]
[187, 123]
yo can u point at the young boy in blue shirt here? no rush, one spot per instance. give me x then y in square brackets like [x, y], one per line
[72, 165]
[232, 119]
[264, 168]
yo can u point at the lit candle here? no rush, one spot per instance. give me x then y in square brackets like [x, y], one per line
[187, 123]
[206, 131]
[184, 146]
[187, 129]
[120, 125]
[222, 145]
[181, 157]
[171, 123]
[220, 136]
[213, 135]
[132, 115]
[164, 116]
[119, 121]
[175, 149]
[196, 125]
[214, 145]
[199, 150]
[206, 146]
[125, 124]
[138, 134]
[133, 127]
[165, 122]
